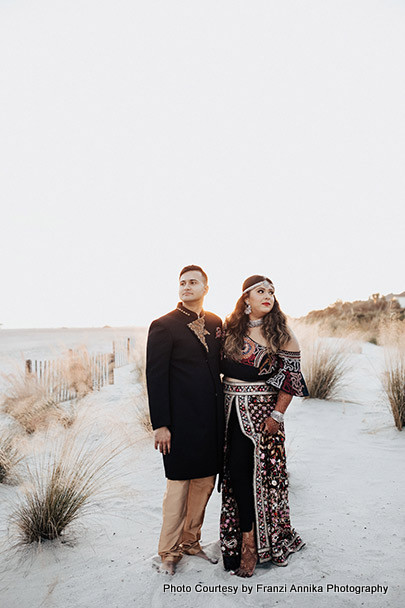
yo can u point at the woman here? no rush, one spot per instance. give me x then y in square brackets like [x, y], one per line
[261, 366]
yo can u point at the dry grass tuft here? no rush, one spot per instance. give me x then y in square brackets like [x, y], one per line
[392, 335]
[28, 402]
[35, 404]
[393, 381]
[76, 371]
[141, 401]
[143, 417]
[61, 486]
[9, 458]
[324, 367]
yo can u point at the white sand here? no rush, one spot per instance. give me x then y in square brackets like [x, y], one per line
[345, 462]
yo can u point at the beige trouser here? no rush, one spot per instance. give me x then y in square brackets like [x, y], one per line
[184, 505]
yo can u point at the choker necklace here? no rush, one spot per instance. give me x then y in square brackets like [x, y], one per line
[255, 323]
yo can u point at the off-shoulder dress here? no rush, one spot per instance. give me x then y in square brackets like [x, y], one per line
[255, 485]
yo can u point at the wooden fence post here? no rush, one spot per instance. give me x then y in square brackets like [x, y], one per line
[111, 363]
[28, 366]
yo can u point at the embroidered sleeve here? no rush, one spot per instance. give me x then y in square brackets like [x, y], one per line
[287, 375]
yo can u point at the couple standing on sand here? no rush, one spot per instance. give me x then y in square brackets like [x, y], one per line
[234, 428]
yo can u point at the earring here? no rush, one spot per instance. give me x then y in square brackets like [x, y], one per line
[248, 309]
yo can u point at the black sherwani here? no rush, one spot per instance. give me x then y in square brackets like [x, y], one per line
[185, 392]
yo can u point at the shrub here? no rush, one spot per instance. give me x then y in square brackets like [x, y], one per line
[367, 319]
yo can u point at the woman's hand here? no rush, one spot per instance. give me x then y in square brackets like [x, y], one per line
[270, 426]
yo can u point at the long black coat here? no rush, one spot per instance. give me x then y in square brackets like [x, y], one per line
[185, 392]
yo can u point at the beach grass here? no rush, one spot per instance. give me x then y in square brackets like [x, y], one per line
[393, 381]
[142, 416]
[76, 371]
[324, 368]
[10, 457]
[27, 401]
[60, 486]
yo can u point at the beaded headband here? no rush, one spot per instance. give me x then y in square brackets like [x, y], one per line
[264, 283]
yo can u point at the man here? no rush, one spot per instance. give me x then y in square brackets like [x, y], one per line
[186, 408]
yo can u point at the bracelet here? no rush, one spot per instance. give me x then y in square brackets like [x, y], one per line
[277, 416]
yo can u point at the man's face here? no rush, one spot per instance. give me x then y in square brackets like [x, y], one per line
[192, 287]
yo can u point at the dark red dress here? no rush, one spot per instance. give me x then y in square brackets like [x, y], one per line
[251, 387]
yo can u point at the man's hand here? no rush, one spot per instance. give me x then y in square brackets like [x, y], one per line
[162, 440]
[270, 426]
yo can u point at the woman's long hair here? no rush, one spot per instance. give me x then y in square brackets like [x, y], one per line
[274, 326]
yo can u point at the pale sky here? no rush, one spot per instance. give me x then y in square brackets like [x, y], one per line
[249, 137]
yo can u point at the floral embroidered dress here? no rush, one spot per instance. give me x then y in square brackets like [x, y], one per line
[251, 387]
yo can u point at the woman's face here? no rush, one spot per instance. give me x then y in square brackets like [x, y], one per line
[261, 300]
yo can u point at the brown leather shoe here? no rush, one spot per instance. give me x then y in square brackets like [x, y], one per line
[248, 555]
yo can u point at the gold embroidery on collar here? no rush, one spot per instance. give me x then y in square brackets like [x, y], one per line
[183, 311]
[198, 327]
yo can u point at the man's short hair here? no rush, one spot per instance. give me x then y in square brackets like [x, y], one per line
[193, 267]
